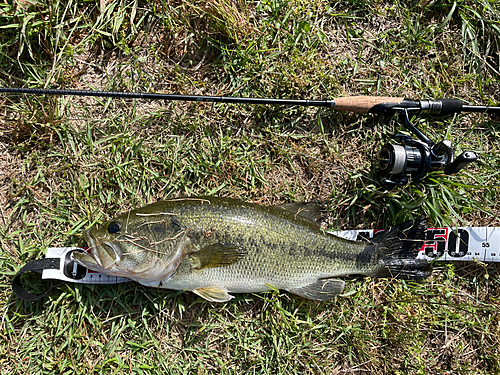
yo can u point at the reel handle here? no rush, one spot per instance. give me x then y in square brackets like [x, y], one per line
[460, 162]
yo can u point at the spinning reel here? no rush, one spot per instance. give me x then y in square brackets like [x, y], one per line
[412, 158]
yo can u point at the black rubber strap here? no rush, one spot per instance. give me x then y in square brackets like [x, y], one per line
[34, 266]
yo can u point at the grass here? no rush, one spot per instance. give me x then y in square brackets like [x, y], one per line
[68, 163]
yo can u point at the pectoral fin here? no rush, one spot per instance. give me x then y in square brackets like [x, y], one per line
[321, 290]
[217, 255]
[214, 294]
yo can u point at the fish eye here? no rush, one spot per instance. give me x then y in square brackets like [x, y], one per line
[114, 227]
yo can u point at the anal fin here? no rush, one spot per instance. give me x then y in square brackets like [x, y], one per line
[214, 294]
[321, 290]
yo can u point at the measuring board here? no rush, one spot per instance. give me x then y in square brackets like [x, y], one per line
[73, 272]
[449, 244]
[444, 244]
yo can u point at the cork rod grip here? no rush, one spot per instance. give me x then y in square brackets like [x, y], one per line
[362, 104]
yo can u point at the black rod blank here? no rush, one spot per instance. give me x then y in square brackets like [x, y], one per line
[392, 106]
[170, 97]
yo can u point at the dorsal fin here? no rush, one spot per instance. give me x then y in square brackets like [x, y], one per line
[310, 211]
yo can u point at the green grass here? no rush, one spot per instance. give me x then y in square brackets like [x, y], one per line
[68, 163]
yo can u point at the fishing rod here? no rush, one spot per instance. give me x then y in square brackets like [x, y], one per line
[357, 104]
[400, 163]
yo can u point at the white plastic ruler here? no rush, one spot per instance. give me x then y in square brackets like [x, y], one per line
[71, 271]
[450, 244]
[444, 244]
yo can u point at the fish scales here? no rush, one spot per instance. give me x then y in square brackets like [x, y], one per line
[216, 246]
[272, 237]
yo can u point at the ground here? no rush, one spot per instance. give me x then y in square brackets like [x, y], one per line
[67, 163]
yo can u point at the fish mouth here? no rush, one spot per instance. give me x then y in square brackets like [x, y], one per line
[107, 257]
[103, 255]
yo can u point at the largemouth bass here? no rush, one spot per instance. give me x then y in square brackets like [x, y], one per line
[217, 246]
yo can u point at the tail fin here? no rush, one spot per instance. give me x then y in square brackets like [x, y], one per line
[398, 248]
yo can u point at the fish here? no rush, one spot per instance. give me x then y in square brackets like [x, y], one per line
[216, 247]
